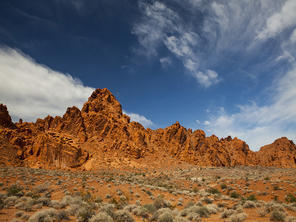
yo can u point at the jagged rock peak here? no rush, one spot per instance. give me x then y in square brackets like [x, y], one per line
[102, 100]
[5, 119]
[99, 93]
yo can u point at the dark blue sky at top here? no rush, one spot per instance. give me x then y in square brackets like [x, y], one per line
[94, 42]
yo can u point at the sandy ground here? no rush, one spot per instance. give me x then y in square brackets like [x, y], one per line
[180, 186]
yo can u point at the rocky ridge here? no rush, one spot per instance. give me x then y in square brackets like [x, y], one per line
[100, 135]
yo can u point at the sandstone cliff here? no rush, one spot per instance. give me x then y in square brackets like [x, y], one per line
[101, 134]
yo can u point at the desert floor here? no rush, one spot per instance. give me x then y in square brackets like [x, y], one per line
[182, 193]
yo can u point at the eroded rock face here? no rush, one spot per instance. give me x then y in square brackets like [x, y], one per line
[101, 134]
[5, 119]
[281, 153]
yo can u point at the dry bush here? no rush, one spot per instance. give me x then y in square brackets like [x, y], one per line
[227, 213]
[101, 217]
[278, 216]
[238, 217]
[123, 216]
[44, 215]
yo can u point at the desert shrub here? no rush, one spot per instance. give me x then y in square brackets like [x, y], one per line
[44, 201]
[101, 217]
[223, 186]
[262, 212]
[180, 219]
[141, 212]
[274, 207]
[160, 212]
[73, 209]
[56, 204]
[159, 202]
[10, 201]
[227, 213]
[276, 187]
[213, 190]
[62, 215]
[148, 192]
[84, 214]
[44, 215]
[222, 204]
[207, 200]
[277, 216]
[25, 217]
[130, 207]
[252, 197]
[249, 204]
[69, 200]
[109, 209]
[238, 217]
[1, 203]
[212, 208]
[195, 189]
[202, 211]
[27, 206]
[123, 216]
[290, 198]
[15, 190]
[40, 188]
[19, 214]
[234, 194]
[98, 200]
[165, 217]
[194, 217]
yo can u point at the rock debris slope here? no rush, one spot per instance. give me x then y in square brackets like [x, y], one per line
[101, 135]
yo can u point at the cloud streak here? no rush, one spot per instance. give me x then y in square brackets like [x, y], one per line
[160, 26]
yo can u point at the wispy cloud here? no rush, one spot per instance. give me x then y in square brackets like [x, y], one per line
[165, 62]
[241, 32]
[280, 20]
[225, 32]
[162, 26]
[140, 119]
[31, 90]
[261, 124]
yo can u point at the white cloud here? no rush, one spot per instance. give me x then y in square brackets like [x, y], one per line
[260, 125]
[31, 90]
[157, 20]
[280, 20]
[165, 62]
[161, 25]
[140, 119]
[293, 36]
[207, 78]
[207, 123]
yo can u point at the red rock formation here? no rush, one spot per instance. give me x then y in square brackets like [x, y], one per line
[5, 119]
[281, 153]
[101, 134]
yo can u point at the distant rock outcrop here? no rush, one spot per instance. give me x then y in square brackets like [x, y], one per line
[100, 134]
[281, 153]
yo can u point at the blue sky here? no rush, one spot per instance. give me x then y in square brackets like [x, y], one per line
[224, 66]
